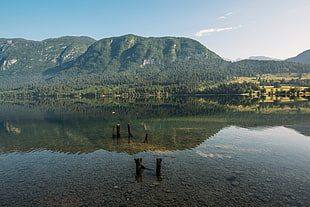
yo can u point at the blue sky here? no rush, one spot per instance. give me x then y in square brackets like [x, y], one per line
[231, 28]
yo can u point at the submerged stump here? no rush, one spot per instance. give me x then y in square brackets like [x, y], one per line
[129, 130]
[146, 139]
[158, 169]
[118, 130]
[139, 169]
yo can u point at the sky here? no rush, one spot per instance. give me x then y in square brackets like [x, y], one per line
[233, 29]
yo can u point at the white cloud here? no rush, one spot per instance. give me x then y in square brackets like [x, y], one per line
[225, 15]
[206, 32]
[212, 30]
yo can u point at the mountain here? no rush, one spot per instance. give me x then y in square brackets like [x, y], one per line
[77, 64]
[131, 52]
[261, 58]
[33, 56]
[303, 57]
[141, 61]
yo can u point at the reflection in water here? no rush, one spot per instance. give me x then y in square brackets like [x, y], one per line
[155, 125]
[9, 128]
[212, 155]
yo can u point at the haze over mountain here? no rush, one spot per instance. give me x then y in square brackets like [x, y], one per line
[262, 58]
[303, 57]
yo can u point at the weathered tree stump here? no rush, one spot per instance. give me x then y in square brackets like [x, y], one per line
[118, 130]
[158, 165]
[139, 165]
[129, 130]
[139, 169]
[158, 169]
[146, 139]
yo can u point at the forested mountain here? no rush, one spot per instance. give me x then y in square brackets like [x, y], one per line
[71, 65]
[32, 56]
[258, 67]
[132, 53]
[303, 57]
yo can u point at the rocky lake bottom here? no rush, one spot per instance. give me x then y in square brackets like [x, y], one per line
[235, 167]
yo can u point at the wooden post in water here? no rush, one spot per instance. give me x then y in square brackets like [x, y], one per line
[158, 169]
[139, 169]
[118, 130]
[138, 162]
[158, 165]
[146, 140]
[129, 130]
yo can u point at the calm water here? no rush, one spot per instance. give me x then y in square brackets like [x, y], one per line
[226, 151]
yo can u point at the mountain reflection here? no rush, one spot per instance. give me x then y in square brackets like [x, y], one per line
[84, 126]
[9, 128]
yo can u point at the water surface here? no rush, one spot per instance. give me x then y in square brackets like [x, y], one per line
[227, 151]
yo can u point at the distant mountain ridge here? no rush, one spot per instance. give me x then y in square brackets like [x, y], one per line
[262, 58]
[303, 57]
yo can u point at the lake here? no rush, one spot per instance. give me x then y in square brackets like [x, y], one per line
[215, 151]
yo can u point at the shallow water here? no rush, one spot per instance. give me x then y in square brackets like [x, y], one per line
[214, 159]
